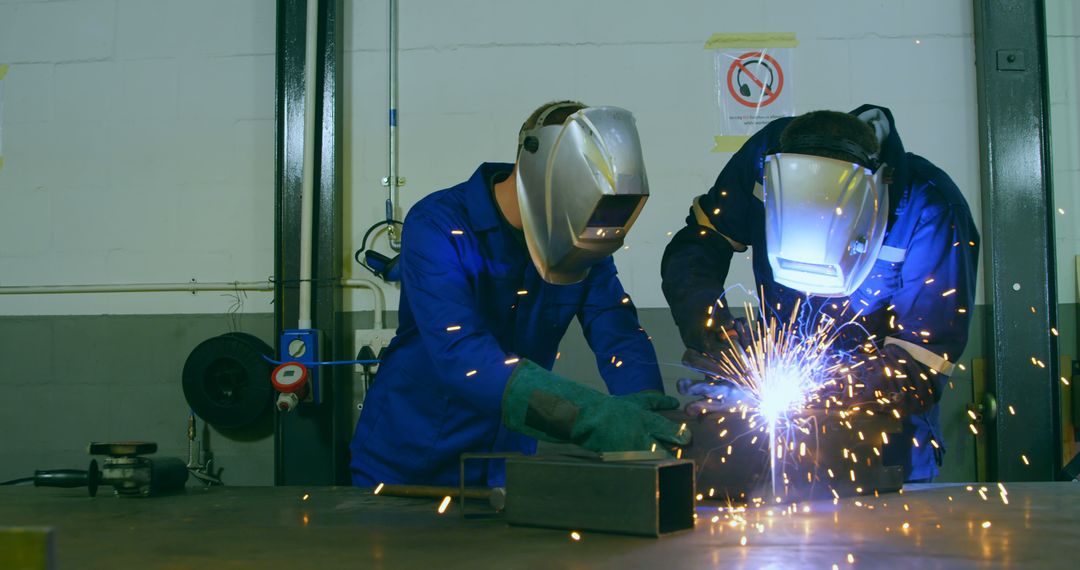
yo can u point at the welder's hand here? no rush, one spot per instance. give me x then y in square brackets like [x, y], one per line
[716, 395]
[727, 338]
[546, 406]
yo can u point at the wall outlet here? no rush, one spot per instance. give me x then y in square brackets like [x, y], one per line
[377, 339]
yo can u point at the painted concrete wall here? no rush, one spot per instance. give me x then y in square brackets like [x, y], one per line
[139, 147]
[468, 81]
[138, 134]
[1063, 46]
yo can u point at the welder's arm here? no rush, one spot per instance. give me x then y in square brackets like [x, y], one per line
[625, 356]
[932, 313]
[693, 272]
[546, 406]
[436, 285]
[726, 219]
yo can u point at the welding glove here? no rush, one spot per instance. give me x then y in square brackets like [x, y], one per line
[728, 335]
[717, 395]
[544, 405]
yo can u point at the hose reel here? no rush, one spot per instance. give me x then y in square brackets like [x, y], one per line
[226, 380]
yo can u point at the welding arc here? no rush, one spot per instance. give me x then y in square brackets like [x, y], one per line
[226, 380]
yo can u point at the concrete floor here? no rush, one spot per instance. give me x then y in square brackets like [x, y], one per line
[266, 527]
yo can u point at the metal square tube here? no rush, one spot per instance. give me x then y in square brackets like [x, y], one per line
[648, 498]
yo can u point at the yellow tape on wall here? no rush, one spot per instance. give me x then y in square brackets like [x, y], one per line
[730, 143]
[3, 70]
[752, 40]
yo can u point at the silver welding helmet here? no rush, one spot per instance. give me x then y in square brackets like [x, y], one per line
[580, 186]
[824, 221]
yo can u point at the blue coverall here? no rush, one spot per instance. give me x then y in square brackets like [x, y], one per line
[471, 304]
[917, 299]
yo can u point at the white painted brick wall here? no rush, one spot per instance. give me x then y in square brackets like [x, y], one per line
[139, 133]
[139, 147]
[471, 72]
[1063, 45]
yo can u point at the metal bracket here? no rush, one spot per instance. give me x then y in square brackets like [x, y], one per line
[1011, 60]
[400, 181]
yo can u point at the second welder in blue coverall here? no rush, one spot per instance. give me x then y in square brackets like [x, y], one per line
[918, 296]
[473, 310]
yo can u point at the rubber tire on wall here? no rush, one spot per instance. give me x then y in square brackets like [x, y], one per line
[226, 380]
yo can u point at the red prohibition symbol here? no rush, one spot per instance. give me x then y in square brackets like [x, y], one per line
[757, 69]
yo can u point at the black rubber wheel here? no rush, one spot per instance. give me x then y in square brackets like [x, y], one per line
[227, 381]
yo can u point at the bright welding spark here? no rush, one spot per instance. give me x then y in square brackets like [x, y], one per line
[453, 328]
[457, 232]
[445, 503]
[378, 488]
[305, 497]
[575, 536]
[986, 524]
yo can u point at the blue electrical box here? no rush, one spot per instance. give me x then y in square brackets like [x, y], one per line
[302, 345]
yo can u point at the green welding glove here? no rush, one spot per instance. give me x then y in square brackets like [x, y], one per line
[544, 405]
[652, 400]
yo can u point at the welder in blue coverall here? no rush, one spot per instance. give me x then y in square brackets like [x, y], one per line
[839, 215]
[493, 270]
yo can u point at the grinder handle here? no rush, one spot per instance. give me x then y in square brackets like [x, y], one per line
[61, 478]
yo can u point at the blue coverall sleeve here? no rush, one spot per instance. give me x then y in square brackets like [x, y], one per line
[435, 279]
[624, 354]
[695, 264]
[931, 311]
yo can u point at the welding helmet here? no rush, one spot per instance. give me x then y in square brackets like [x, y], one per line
[825, 218]
[580, 185]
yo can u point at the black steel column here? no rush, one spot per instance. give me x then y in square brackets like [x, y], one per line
[311, 442]
[1010, 53]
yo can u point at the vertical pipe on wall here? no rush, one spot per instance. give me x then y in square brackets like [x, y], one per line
[392, 197]
[307, 192]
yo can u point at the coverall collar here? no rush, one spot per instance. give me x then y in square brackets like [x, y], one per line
[482, 211]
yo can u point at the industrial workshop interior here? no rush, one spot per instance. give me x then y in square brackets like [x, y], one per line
[561, 284]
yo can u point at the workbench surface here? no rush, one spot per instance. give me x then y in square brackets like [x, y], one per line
[341, 527]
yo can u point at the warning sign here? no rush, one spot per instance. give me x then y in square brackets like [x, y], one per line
[753, 87]
[755, 79]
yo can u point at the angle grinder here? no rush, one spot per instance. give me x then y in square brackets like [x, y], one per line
[124, 468]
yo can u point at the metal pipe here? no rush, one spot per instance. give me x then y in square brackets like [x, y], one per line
[189, 287]
[392, 196]
[307, 187]
[434, 492]
[376, 291]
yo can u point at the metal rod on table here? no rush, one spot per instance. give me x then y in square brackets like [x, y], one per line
[434, 491]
